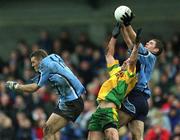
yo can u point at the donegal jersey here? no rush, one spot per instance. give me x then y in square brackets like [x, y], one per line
[118, 85]
[147, 62]
[53, 70]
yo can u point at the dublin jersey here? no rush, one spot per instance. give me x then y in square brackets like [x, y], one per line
[118, 85]
[54, 71]
[147, 62]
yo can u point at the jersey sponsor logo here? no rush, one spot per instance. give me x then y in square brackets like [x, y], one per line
[119, 74]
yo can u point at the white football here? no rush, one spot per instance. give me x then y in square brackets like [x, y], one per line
[120, 11]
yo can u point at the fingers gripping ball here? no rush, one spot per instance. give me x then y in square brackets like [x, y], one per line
[120, 11]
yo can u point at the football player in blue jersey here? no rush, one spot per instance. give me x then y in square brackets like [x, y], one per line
[134, 109]
[53, 70]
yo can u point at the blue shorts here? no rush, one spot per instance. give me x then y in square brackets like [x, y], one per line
[136, 105]
[70, 110]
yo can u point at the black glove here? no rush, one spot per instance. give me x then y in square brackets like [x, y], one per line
[127, 19]
[138, 35]
[116, 30]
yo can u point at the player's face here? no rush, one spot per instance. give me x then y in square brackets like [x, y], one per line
[35, 63]
[151, 46]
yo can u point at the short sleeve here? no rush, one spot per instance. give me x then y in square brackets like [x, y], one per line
[144, 56]
[35, 79]
[44, 75]
[142, 50]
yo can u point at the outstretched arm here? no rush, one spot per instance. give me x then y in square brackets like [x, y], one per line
[27, 88]
[24, 88]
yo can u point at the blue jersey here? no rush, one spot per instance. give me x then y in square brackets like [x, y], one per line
[147, 62]
[54, 71]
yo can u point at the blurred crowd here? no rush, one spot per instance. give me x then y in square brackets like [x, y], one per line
[22, 114]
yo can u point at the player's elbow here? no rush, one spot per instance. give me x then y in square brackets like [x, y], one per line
[132, 61]
[109, 54]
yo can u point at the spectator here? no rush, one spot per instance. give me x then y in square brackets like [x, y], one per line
[176, 132]
[45, 42]
[157, 132]
[6, 127]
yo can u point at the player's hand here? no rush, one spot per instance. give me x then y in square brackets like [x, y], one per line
[127, 19]
[11, 85]
[116, 30]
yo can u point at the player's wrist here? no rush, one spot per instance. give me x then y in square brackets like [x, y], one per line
[127, 24]
[114, 36]
[17, 86]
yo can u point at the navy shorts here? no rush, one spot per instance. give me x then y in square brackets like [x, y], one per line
[136, 105]
[70, 110]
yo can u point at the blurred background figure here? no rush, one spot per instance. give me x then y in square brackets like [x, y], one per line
[6, 127]
[45, 41]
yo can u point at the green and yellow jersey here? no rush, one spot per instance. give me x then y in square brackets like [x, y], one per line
[118, 85]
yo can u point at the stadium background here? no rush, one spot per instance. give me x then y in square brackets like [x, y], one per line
[78, 31]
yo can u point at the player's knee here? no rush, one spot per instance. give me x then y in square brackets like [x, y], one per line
[47, 130]
[137, 129]
[111, 134]
[137, 136]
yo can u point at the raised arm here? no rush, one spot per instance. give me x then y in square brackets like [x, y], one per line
[126, 37]
[128, 28]
[134, 53]
[109, 53]
[133, 57]
[131, 33]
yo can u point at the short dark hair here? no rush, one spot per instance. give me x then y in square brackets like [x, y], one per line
[39, 54]
[160, 46]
